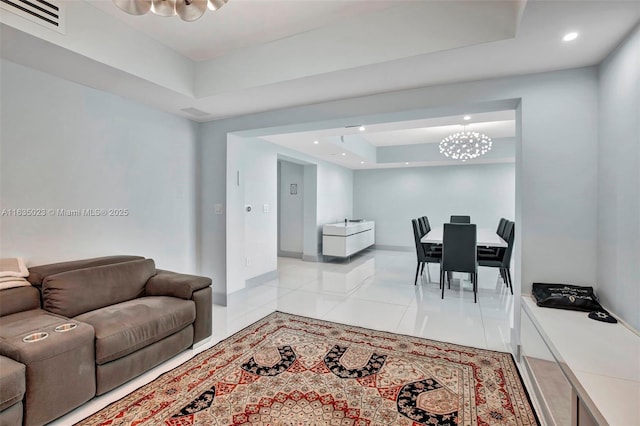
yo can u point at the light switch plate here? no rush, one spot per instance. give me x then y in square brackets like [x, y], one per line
[217, 208]
[265, 208]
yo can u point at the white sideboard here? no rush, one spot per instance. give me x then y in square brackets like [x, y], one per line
[343, 240]
[583, 372]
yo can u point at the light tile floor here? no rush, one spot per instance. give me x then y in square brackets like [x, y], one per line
[374, 289]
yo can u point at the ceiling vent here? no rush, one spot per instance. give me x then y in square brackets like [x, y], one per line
[48, 13]
[195, 112]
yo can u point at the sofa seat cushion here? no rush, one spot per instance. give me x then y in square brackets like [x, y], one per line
[123, 328]
[12, 377]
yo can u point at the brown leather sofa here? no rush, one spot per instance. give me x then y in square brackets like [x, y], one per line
[104, 321]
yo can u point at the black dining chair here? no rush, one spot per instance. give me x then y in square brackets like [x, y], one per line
[501, 224]
[500, 231]
[426, 227]
[423, 225]
[425, 221]
[502, 259]
[460, 219]
[423, 254]
[459, 253]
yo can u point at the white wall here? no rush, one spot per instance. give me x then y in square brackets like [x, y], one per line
[335, 196]
[291, 209]
[311, 240]
[251, 246]
[619, 181]
[260, 186]
[392, 197]
[67, 146]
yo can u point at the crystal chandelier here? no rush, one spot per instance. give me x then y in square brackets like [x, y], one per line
[465, 145]
[188, 10]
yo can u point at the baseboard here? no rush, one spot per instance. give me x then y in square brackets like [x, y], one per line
[201, 343]
[261, 279]
[392, 248]
[311, 258]
[293, 254]
[220, 299]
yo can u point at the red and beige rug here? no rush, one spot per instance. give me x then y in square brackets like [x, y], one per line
[291, 370]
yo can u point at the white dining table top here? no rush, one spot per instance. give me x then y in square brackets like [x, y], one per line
[486, 237]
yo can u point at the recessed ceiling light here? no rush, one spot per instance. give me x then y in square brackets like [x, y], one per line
[570, 36]
[344, 154]
[407, 163]
[362, 128]
[362, 162]
[467, 117]
[316, 142]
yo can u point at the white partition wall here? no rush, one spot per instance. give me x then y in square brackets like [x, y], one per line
[619, 181]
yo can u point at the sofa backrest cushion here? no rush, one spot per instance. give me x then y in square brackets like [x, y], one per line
[76, 292]
[37, 274]
[18, 299]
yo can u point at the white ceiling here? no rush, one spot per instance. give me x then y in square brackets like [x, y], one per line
[257, 55]
[243, 23]
[344, 145]
[497, 124]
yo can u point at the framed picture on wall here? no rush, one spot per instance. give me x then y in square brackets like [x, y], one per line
[293, 190]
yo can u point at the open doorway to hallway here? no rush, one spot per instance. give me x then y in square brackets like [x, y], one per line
[290, 209]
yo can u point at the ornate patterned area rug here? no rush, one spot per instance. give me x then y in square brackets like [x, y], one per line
[291, 370]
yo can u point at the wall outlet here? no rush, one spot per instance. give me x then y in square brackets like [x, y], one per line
[217, 208]
[265, 208]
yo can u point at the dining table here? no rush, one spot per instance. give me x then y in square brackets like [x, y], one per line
[486, 237]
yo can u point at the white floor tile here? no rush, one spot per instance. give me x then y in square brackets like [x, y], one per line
[443, 326]
[366, 313]
[308, 303]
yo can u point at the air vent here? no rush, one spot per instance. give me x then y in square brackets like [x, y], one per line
[195, 112]
[48, 13]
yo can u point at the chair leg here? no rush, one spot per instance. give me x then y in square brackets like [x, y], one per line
[475, 288]
[449, 275]
[510, 284]
[421, 268]
[415, 282]
[442, 286]
[441, 282]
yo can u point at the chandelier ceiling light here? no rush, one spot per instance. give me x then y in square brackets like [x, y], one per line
[188, 10]
[465, 145]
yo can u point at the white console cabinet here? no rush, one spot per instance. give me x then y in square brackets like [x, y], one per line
[583, 372]
[343, 240]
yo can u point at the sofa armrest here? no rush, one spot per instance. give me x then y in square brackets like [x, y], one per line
[166, 283]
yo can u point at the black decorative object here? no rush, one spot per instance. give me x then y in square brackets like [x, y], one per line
[565, 296]
[603, 316]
